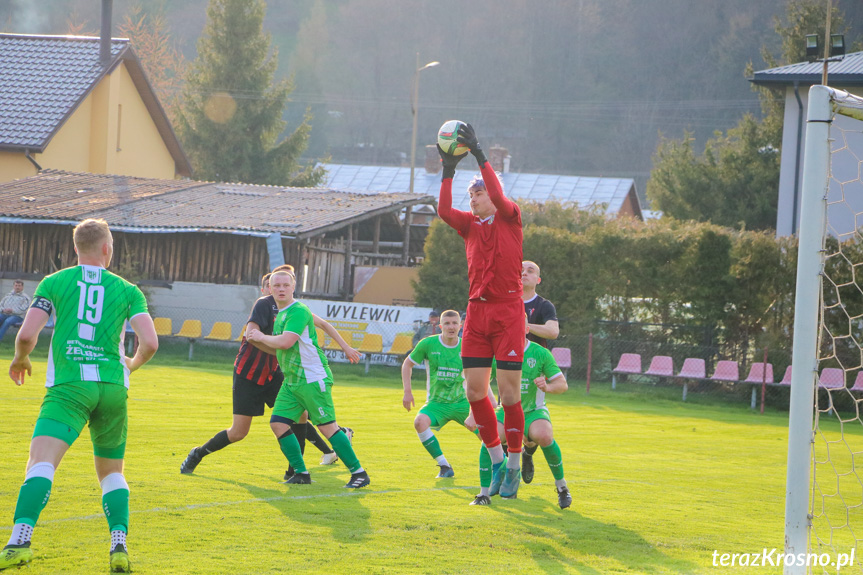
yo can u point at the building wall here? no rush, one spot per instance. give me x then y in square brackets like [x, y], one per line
[841, 214]
[111, 132]
[14, 166]
[71, 148]
[140, 150]
[384, 285]
[41, 249]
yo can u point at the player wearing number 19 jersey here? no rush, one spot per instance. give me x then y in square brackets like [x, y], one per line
[92, 306]
[87, 381]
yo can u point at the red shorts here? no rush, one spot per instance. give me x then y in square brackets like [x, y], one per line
[494, 330]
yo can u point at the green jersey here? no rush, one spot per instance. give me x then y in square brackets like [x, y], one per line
[91, 306]
[304, 362]
[444, 372]
[537, 361]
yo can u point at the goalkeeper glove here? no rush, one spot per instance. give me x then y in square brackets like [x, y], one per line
[449, 162]
[467, 136]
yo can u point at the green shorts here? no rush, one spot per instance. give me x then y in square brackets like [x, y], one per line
[442, 413]
[316, 398]
[529, 417]
[67, 407]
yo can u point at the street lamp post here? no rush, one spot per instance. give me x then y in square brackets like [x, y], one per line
[414, 105]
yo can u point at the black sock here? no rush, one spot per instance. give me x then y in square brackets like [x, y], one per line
[531, 450]
[300, 430]
[316, 440]
[219, 441]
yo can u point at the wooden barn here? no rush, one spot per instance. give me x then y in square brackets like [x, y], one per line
[187, 231]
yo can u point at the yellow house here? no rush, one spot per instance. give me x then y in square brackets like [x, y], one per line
[64, 109]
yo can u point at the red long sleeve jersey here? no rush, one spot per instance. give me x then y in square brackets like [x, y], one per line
[493, 245]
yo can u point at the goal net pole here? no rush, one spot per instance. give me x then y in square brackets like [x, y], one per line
[808, 297]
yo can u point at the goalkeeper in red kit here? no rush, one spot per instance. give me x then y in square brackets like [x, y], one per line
[494, 328]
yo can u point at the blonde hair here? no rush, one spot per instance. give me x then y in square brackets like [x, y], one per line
[450, 313]
[90, 234]
[279, 272]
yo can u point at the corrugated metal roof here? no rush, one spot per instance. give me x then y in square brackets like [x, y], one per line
[845, 72]
[175, 205]
[42, 79]
[609, 193]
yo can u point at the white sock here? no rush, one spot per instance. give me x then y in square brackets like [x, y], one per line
[484, 491]
[21, 534]
[425, 435]
[513, 461]
[560, 483]
[441, 460]
[496, 454]
[118, 537]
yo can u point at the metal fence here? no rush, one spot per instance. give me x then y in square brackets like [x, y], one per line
[594, 356]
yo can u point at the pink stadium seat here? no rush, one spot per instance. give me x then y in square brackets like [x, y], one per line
[786, 379]
[756, 373]
[693, 368]
[858, 383]
[661, 365]
[629, 363]
[563, 357]
[831, 378]
[726, 370]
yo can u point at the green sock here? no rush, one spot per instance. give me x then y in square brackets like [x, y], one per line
[430, 442]
[32, 499]
[291, 448]
[115, 502]
[343, 448]
[484, 467]
[116, 506]
[554, 459]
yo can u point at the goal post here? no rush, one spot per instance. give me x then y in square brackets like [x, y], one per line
[804, 359]
[819, 343]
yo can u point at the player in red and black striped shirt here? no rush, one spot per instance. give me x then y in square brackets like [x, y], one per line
[493, 329]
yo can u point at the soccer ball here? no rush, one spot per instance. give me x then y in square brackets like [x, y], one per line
[447, 138]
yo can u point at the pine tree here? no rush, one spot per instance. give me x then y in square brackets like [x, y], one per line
[231, 112]
[735, 181]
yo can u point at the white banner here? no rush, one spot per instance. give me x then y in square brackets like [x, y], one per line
[358, 319]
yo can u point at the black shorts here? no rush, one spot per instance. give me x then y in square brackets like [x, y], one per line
[249, 397]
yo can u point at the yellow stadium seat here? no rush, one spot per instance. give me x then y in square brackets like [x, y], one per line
[191, 328]
[372, 343]
[346, 335]
[242, 333]
[221, 331]
[402, 344]
[163, 326]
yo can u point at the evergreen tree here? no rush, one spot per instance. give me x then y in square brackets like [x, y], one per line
[231, 115]
[735, 181]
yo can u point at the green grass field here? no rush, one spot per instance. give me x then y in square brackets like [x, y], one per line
[657, 485]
